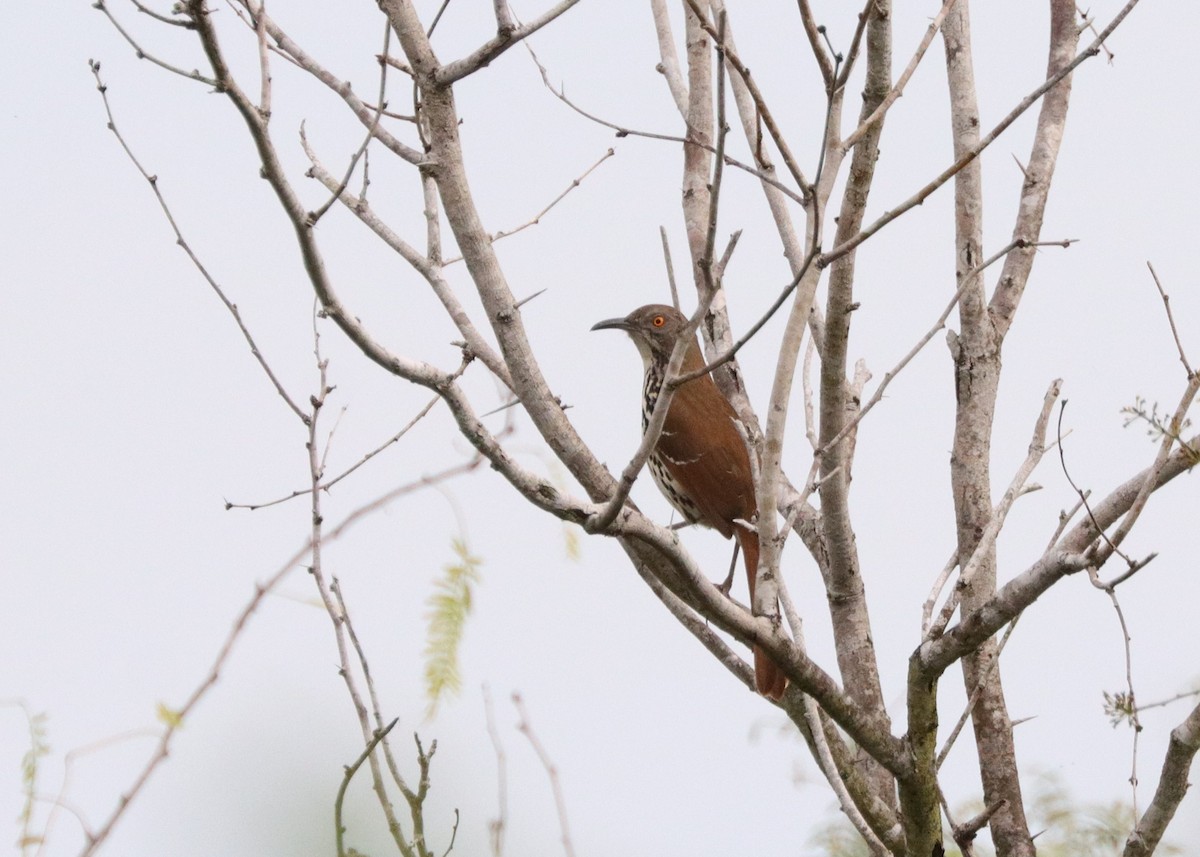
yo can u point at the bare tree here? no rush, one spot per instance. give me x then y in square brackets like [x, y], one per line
[885, 775]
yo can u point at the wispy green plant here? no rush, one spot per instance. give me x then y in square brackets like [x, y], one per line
[1120, 708]
[1064, 827]
[29, 774]
[1074, 829]
[449, 606]
[574, 548]
[572, 543]
[1159, 425]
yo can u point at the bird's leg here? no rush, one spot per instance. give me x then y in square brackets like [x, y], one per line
[728, 582]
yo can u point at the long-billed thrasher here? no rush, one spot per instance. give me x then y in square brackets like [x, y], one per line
[700, 462]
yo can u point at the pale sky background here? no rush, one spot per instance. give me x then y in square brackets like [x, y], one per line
[133, 410]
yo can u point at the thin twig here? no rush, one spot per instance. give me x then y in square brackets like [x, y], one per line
[158, 16]
[453, 835]
[813, 31]
[714, 193]
[971, 154]
[430, 268]
[1090, 26]
[194, 74]
[59, 800]
[757, 326]
[898, 88]
[261, 590]
[860, 29]
[822, 753]
[536, 219]
[526, 729]
[987, 539]
[351, 770]
[728, 254]
[290, 50]
[1170, 437]
[497, 826]
[376, 710]
[1064, 518]
[669, 65]
[777, 136]
[935, 592]
[504, 39]
[623, 131]
[315, 216]
[1135, 721]
[1166, 299]
[1095, 555]
[976, 692]
[264, 59]
[810, 257]
[964, 834]
[325, 486]
[662, 231]
[1187, 694]
[182, 242]
[966, 283]
[1172, 786]
[335, 607]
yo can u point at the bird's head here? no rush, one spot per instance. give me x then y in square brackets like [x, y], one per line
[653, 329]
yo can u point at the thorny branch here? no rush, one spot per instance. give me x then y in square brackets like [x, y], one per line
[351, 770]
[1166, 299]
[967, 157]
[624, 131]
[616, 518]
[261, 590]
[102, 5]
[967, 282]
[768, 119]
[1172, 786]
[195, 260]
[537, 218]
[1111, 590]
[987, 539]
[897, 89]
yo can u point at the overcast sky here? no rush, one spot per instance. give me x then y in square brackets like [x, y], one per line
[134, 411]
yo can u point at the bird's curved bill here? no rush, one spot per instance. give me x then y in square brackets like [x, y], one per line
[612, 324]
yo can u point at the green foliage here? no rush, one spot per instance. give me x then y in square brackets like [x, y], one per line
[1071, 829]
[449, 606]
[837, 838]
[1067, 828]
[1159, 426]
[572, 543]
[168, 716]
[1120, 708]
[29, 773]
[574, 548]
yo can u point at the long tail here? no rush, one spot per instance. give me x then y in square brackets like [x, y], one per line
[769, 679]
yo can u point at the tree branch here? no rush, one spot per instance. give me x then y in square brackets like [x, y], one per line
[1172, 786]
[669, 65]
[971, 154]
[1066, 557]
[507, 35]
[882, 106]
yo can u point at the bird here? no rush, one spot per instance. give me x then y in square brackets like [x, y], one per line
[700, 462]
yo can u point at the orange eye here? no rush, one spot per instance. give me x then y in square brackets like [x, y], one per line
[659, 321]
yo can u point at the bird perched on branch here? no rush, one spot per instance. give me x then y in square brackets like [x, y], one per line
[700, 462]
